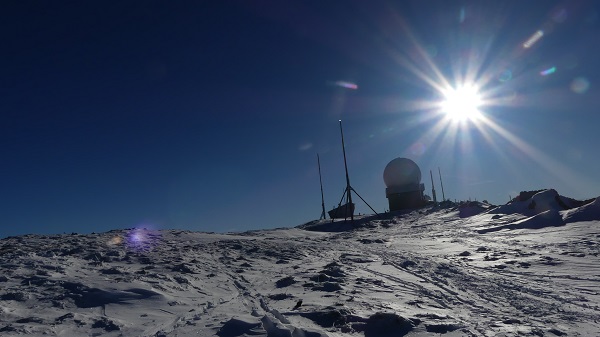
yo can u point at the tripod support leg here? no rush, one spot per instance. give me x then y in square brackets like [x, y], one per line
[361, 198]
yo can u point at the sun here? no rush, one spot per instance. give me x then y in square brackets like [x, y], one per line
[462, 103]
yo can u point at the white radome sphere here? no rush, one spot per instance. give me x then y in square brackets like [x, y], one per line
[401, 172]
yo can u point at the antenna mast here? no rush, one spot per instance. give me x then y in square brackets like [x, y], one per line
[348, 191]
[348, 194]
[441, 183]
[433, 187]
[323, 216]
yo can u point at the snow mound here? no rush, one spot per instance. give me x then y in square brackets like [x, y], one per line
[277, 326]
[85, 297]
[588, 212]
[549, 218]
[471, 208]
[530, 203]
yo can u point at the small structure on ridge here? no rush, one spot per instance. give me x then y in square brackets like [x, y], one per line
[404, 190]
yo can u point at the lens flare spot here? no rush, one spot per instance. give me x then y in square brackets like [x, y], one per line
[505, 76]
[580, 85]
[345, 84]
[417, 149]
[141, 238]
[114, 241]
[548, 71]
[305, 147]
[533, 39]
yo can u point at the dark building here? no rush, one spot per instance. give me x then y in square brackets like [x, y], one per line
[404, 188]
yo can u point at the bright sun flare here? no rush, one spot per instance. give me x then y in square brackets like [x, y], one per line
[462, 103]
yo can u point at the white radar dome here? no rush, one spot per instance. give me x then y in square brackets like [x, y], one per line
[401, 172]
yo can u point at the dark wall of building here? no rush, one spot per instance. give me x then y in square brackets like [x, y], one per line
[405, 200]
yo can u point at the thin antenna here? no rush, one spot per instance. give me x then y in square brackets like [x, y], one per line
[442, 183]
[348, 190]
[348, 194]
[323, 216]
[433, 187]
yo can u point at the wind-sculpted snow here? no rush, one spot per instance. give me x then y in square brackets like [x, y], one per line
[428, 272]
[535, 202]
[549, 218]
[588, 212]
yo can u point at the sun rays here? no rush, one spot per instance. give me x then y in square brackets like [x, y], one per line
[465, 107]
[461, 104]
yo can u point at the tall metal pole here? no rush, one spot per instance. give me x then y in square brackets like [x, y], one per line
[433, 187]
[441, 183]
[348, 192]
[323, 216]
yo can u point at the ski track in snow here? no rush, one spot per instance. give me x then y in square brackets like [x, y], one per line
[425, 273]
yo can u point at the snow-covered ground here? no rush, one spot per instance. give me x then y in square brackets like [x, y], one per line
[516, 270]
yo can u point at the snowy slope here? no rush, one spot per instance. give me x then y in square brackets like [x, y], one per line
[425, 273]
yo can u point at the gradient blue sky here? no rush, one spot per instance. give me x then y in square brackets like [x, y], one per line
[208, 115]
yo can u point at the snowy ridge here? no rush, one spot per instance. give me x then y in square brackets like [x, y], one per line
[588, 212]
[539, 209]
[427, 272]
[540, 201]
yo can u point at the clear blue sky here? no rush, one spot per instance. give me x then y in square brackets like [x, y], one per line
[208, 115]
